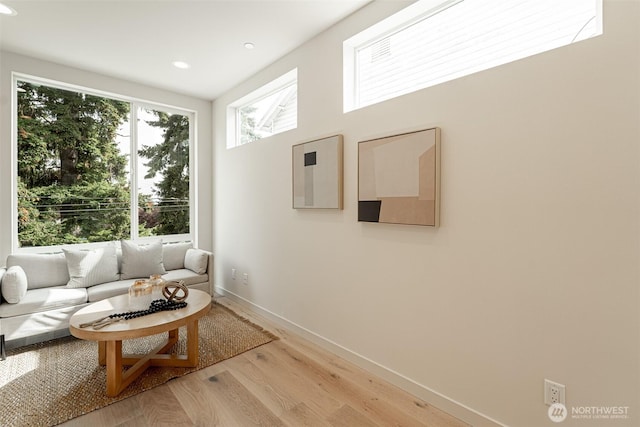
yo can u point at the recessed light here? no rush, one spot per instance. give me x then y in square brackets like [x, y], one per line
[249, 45]
[181, 64]
[6, 10]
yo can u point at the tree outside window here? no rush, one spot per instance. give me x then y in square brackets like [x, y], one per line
[75, 169]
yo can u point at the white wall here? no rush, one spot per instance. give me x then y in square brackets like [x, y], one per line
[11, 62]
[534, 271]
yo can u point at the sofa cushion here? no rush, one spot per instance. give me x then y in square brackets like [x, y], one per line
[108, 290]
[42, 270]
[173, 255]
[14, 284]
[43, 299]
[196, 260]
[89, 267]
[140, 261]
[189, 277]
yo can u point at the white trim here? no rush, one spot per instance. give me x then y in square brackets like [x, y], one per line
[398, 21]
[14, 162]
[193, 183]
[266, 90]
[97, 92]
[441, 401]
[233, 127]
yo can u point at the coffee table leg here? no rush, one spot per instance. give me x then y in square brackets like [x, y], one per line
[192, 343]
[102, 353]
[111, 353]
[114, 367]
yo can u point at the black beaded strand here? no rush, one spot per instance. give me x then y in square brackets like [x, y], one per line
[156, 306]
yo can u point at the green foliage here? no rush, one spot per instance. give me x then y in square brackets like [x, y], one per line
[72, 177]
[170, 159]
[33, 230]
[147, 216]
[75, 214]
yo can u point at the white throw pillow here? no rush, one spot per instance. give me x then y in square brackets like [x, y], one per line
[14, 284]
[196, 261]
[42, 270]
[139, 261]
[173, 255]
[88, 267]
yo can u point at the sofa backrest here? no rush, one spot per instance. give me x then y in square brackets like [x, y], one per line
[42, 270]
[51, 269]
[173, 255]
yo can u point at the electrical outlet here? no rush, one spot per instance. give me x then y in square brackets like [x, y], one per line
[553, 392]
[233, 274]
[245, 278]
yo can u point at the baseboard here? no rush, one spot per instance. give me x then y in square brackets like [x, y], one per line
[457, 409]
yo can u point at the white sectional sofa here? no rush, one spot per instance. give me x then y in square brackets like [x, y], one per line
[40, 291]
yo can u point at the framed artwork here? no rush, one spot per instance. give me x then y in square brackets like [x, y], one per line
[317, 174]
[398, 179]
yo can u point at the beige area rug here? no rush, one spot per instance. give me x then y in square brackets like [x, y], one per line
[48, 383]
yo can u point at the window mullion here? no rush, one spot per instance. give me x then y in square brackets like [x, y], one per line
[193, 183]
[133, 169]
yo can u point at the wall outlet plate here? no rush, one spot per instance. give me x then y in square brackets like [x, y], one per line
[553, 392]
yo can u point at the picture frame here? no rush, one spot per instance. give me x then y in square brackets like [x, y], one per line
[399, 179]
[317, 174]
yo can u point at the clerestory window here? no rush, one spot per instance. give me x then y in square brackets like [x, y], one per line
[269, 110]
[432, 41]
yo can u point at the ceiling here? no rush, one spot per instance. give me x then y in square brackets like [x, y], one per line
[137, 40]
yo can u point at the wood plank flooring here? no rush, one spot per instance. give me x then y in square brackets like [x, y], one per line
[288, 382]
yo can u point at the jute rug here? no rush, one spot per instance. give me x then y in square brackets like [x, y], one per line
[48, 383]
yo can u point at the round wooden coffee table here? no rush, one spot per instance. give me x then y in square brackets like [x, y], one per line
[111, 336]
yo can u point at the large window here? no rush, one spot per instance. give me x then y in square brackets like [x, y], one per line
[267, 111]
[432, 41]
[94, 168]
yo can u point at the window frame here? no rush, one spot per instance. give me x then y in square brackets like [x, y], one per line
[234, 136]
[134, 104]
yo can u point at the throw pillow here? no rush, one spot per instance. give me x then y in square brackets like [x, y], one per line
[173, 255]
[91, 267]
[140, 261]
[42, 270]
[14, 284]
[196, 261]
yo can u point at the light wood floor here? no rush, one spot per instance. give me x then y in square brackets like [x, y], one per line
[288, 382]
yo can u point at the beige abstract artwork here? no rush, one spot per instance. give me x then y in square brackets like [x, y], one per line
[317, 174]
[398, 178]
